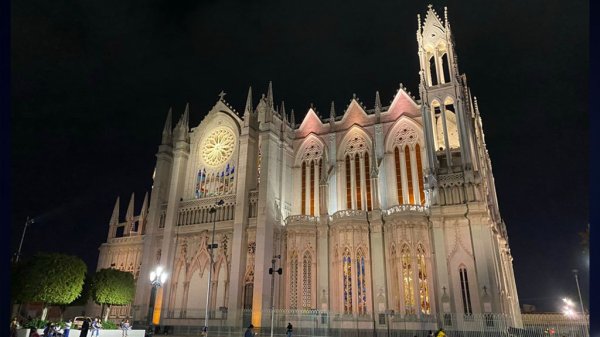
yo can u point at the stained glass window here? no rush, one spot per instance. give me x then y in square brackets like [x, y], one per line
[407, 280]
[466, 294]
[398, 176]
[303, 203]
[312, 188]
[423, 282]
[347, 275]
[348, 184]
[420, 174]
[306, 281]
[220, 182]
[358, 180]
[361, 289]
[368, 178]
[294, 281]
[409, 180]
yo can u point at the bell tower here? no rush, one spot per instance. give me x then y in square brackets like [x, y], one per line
[447, 107]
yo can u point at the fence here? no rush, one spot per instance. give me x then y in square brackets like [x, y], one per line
[328, 324]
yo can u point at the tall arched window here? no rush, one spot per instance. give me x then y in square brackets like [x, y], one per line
[423, 281]
[303, 203]
[368, 181]
[347, 275]
[420, 174]
[464, 288]
[361, 289]
[358, 180]
[348, 184]
[398, 175]
[294, 281]
[411, 193]
[312, 188]
[306, 281]
[407, 280]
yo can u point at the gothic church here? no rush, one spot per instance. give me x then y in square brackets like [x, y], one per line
[373, 210]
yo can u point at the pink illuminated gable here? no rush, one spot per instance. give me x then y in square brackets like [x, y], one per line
[310, 124]
[402, 104]
[355, 114]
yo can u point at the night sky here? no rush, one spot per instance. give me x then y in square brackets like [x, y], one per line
[92, 82]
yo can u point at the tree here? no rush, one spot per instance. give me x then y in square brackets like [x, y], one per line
[112, 287]
[51, 278]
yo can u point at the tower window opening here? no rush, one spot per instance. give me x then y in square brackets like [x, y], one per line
[312, 188]
[446, 68]
[348, 184]
[466, 294]
[358, 182]
[303, 203]
[433, 77]
[398, 175]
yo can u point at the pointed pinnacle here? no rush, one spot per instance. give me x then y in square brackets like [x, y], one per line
[186, 115]
[282, 111]
[129, 213]
[377, 102]
[332, 111]
[270, 94]
[248, 109]
[446, 16]
[114, 219]
[293, 118]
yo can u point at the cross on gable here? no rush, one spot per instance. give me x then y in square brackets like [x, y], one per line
[222, 95]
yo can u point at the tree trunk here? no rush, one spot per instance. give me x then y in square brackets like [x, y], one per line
[44, 311]
[105, 318]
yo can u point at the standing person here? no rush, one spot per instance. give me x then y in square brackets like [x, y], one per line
[95, 326]
[288, 332]
[250, 331]
[67, 328]
[48, 330]
[14, 325]
[125, 326]
[84, 328]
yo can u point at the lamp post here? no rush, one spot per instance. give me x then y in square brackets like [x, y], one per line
[272, 271]
[580, 300]
[213, 211]
[27, 222]
[157, 279]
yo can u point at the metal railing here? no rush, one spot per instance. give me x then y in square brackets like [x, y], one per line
[223, 322]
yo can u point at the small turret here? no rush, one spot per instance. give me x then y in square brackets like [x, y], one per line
[182, 127]
[377, 106]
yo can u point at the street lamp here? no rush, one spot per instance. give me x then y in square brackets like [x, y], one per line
[579, 291]
[157, 279]
[27, 222]
[213, 211]
[568, 308]
[272, 271]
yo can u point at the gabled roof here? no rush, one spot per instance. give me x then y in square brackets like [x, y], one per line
[402, 104]
[310, 124]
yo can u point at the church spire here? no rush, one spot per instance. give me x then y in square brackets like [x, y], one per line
[167, 130]
[332, 114]
[293, 119]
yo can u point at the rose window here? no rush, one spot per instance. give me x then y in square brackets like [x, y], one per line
[218, 146]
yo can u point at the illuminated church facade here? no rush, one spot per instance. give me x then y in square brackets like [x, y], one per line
[370, 211]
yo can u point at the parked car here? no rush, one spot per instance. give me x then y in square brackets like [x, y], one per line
[78, 322]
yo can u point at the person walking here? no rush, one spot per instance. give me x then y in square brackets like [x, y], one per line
[250, 331]
[289, 328]
[84, 328]
[67, 328]
[125, 326]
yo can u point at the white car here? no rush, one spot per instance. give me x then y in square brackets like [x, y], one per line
[78, 322]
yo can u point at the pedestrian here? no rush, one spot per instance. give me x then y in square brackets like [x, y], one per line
[430, 334]
[288, 332]
[250, 331]
[14, 325]
[440, 333]
[67, 328]
[33, 333]
[48, 330]
[125, 326]
[96, 325]
[85, 327]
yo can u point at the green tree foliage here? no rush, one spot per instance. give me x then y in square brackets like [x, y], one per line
[51, 278]
[112, 287]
